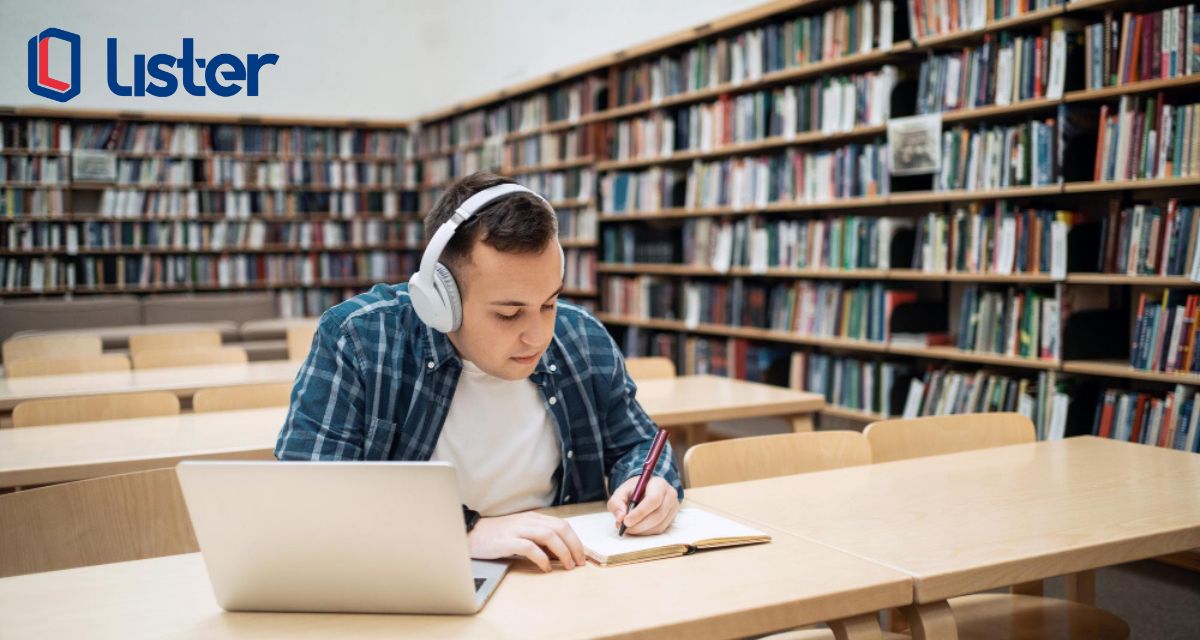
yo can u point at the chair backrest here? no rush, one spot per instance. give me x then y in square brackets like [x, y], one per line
[158, 341]
[905, 438]
[757, 457]
[299, 341]
[36, 413]
[160, 358]
[111, 519]
[649, 368]
[250, 396]
[65, 346]
[61, 366]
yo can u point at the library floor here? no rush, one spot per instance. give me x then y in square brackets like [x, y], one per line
[1159, 601]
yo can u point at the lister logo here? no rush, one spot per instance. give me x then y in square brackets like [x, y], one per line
[155, 75]
[40, 80]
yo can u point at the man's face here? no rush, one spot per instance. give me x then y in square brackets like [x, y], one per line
[509, 305]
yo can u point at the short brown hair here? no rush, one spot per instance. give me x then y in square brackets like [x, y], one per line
[517, 223]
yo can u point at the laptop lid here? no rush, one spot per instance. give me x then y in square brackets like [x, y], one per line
[368, 537]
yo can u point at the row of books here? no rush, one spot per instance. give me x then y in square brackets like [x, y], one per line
[39, 274]
[1129, 47]
[829, 105]
[833, 243]
[576, 223]
[546, 148]
[196, 139]
[36, 134]
[1146, 138]
[1001, 156]
[569, 184]
[937, 17]
[849, 383]
[865, 25]
[439, 170]
[1147, 239]
[1171, 420]
[120, 202]
[1166, 333]
[995, 238]
[795, 176]
[210, 236]
[273, 174]
[581, 269]
[15, 201]
[38, 169]
[564, 102]
[1022, 323]
[944, 391]
[1003, 69]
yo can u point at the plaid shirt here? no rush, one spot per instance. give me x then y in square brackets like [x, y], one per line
[378, 383]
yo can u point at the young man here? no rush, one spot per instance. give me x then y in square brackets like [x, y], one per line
[526, 396]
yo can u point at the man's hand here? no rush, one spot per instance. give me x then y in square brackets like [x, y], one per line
[527, 534]
[653, 514]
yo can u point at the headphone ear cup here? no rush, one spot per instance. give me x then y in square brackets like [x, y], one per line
[444, 280]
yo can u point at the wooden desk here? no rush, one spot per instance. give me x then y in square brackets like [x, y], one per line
[42, 455]
[716, 594]
[183, 381]
[60, 453]
[688, 402]
[968, 522]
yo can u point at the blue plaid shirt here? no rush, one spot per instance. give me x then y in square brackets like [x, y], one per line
[378, 383]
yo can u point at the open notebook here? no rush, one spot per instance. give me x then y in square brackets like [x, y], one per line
[693, 529]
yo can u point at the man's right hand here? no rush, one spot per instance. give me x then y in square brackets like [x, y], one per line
[527, 534]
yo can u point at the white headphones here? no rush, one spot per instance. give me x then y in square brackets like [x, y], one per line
[432, 289]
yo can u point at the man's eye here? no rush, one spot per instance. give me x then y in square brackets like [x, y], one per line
[548, 307]
[510, 318]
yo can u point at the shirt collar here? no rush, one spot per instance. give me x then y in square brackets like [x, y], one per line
[439, 350]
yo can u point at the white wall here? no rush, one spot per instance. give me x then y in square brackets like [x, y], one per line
[354, 58]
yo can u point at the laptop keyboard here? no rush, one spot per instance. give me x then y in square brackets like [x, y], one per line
[479, 583]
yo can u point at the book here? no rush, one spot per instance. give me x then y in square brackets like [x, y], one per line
[693, 530]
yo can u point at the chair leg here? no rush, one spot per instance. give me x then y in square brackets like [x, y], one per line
[1035, 588]
[802, 422]
[933, 621]
[864, 627]
[1081, 587]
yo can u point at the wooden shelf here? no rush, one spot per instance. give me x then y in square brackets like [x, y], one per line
[1031, 17]
[35, 185]
[572, 203]
[806, 137]
[774, 207]
[959, 355]
[914, 275]
[1119, 279]
[903, 275]
[133, 115]
[957, 195]
[577, 244]
[1121, 369]
[137, 251]
[33, 152]
[1134, 185]
[372, 216]
[313, 188]
[745, 332]
[1143, 86]
[997, 110]
[86, 289]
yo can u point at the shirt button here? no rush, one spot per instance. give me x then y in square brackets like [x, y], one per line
[430, 364]
[571, 454]
[553, 368]
[553, 400]
[566, 498]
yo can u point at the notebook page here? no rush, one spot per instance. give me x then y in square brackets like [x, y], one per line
[598, 534]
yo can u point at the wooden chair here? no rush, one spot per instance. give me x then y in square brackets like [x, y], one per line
[161, 358]
[111, 519]
[173, 340]
[35, 413]
[649, 368]
[250, 396]
[758, 457]
[64, 346]
[1023, 614]
[61, 366]
[299, 341]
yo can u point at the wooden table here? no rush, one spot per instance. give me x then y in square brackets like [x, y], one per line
[968, 522]
[60, 453]
[688, 402]
[724, 593]
[183, 381]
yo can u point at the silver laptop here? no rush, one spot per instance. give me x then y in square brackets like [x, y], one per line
[365, 537]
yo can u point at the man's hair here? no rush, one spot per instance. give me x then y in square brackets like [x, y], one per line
[516, 223]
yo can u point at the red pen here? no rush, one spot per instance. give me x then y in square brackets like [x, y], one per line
[639, 490]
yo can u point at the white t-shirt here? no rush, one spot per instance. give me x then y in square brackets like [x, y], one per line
[502, 441]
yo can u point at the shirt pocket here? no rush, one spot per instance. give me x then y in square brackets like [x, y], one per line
[380, 436]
